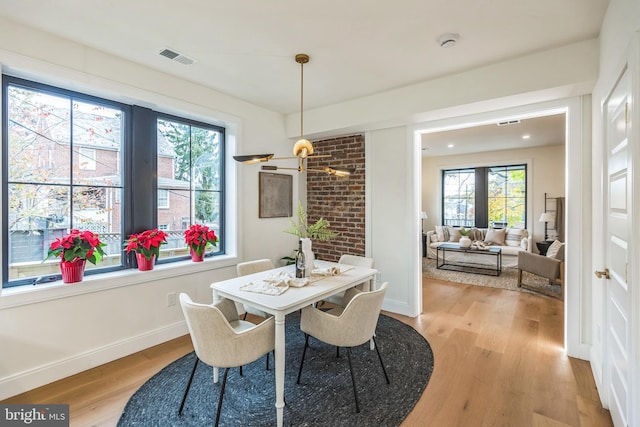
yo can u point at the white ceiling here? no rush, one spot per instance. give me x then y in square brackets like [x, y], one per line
[246, 48]
[542, 131]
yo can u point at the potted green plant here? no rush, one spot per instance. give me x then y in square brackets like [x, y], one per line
[465, 241]
[74, 250]
[320, 230]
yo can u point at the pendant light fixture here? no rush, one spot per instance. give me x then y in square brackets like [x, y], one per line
[303, 148]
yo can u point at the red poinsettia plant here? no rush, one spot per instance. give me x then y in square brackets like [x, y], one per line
[77, 245]
[198, 237]
[146, 243]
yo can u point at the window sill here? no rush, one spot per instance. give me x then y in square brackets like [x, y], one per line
[31, 294]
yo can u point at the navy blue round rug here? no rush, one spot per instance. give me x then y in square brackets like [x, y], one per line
[324, 396]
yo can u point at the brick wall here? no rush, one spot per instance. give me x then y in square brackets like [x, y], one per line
[340, 200]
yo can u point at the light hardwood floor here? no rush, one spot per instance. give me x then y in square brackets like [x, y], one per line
[498, 362]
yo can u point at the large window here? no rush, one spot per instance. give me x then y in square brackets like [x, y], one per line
[71, 160]
[507, 196]
[485, 196]
[190, 175]
[459, 198]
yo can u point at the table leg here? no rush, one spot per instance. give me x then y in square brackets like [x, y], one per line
[279, 362]
[216, 371]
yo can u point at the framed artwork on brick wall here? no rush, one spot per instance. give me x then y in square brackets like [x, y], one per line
[276, 195]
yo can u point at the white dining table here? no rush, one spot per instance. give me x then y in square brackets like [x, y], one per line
[319, 288]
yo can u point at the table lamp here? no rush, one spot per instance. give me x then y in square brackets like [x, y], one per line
[546, 217]
[423, 216]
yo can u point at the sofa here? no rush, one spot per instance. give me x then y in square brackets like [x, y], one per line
[511, 240]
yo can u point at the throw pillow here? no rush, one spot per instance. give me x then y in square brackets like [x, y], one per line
[454, 234]
[434, 238]
[477, 234]
[495, 236]
[554, 248]
[442, 231]
[524, 244]
[514, 236]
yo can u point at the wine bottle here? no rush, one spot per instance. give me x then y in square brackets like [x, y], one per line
[301, 264]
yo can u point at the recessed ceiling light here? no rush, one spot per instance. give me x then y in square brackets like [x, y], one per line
[448, 40]
[526, 136]
[450, 145]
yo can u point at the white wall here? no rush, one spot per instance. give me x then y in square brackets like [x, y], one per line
[546, 173]
[390, 189]
[559, 73]
[55, 331]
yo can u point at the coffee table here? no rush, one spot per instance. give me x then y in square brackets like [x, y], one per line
[491, 256]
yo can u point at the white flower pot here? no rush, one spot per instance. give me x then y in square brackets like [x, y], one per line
[465, 242]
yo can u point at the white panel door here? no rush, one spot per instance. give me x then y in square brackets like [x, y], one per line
[618, 214]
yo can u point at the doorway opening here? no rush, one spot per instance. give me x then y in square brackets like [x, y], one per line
[464, 142]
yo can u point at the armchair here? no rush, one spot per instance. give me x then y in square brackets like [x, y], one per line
[351, 326]
[549, 267]
[358, 261]
[222, 340]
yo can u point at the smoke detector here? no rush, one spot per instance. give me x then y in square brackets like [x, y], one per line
[175, 56]
[448, 40]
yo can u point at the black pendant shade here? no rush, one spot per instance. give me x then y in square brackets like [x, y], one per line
[253, 158]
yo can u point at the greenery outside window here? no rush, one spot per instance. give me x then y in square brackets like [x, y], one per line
[485, 196]
[48, 190]
[459, 194]
[507, 196]
[190, 171]
[71, 160]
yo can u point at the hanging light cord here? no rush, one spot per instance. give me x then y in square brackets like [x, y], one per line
[301, 99]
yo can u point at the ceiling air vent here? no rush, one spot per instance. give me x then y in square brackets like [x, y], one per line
[168, 53]
[508, 122]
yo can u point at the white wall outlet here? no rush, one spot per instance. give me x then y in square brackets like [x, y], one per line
[171, 299]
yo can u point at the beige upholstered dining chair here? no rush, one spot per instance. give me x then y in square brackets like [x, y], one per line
[251, 267]
[222, 340]
[351, 326]
[358, 261]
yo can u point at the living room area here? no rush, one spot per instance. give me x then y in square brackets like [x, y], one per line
[501, 184]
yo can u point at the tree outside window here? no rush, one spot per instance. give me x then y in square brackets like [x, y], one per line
[63, 156]
[485, 196]
[62, 174]
[190, 171]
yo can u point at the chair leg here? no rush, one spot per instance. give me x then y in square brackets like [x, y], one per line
[519, 278]
[375, 344]
[267, 361]
[224, 383]
[353, 380]
[240, 370]
[186, 391]
[304, 351]
[337, 352]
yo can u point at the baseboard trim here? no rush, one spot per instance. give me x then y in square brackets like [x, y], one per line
[398, 307]
[42, 375]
